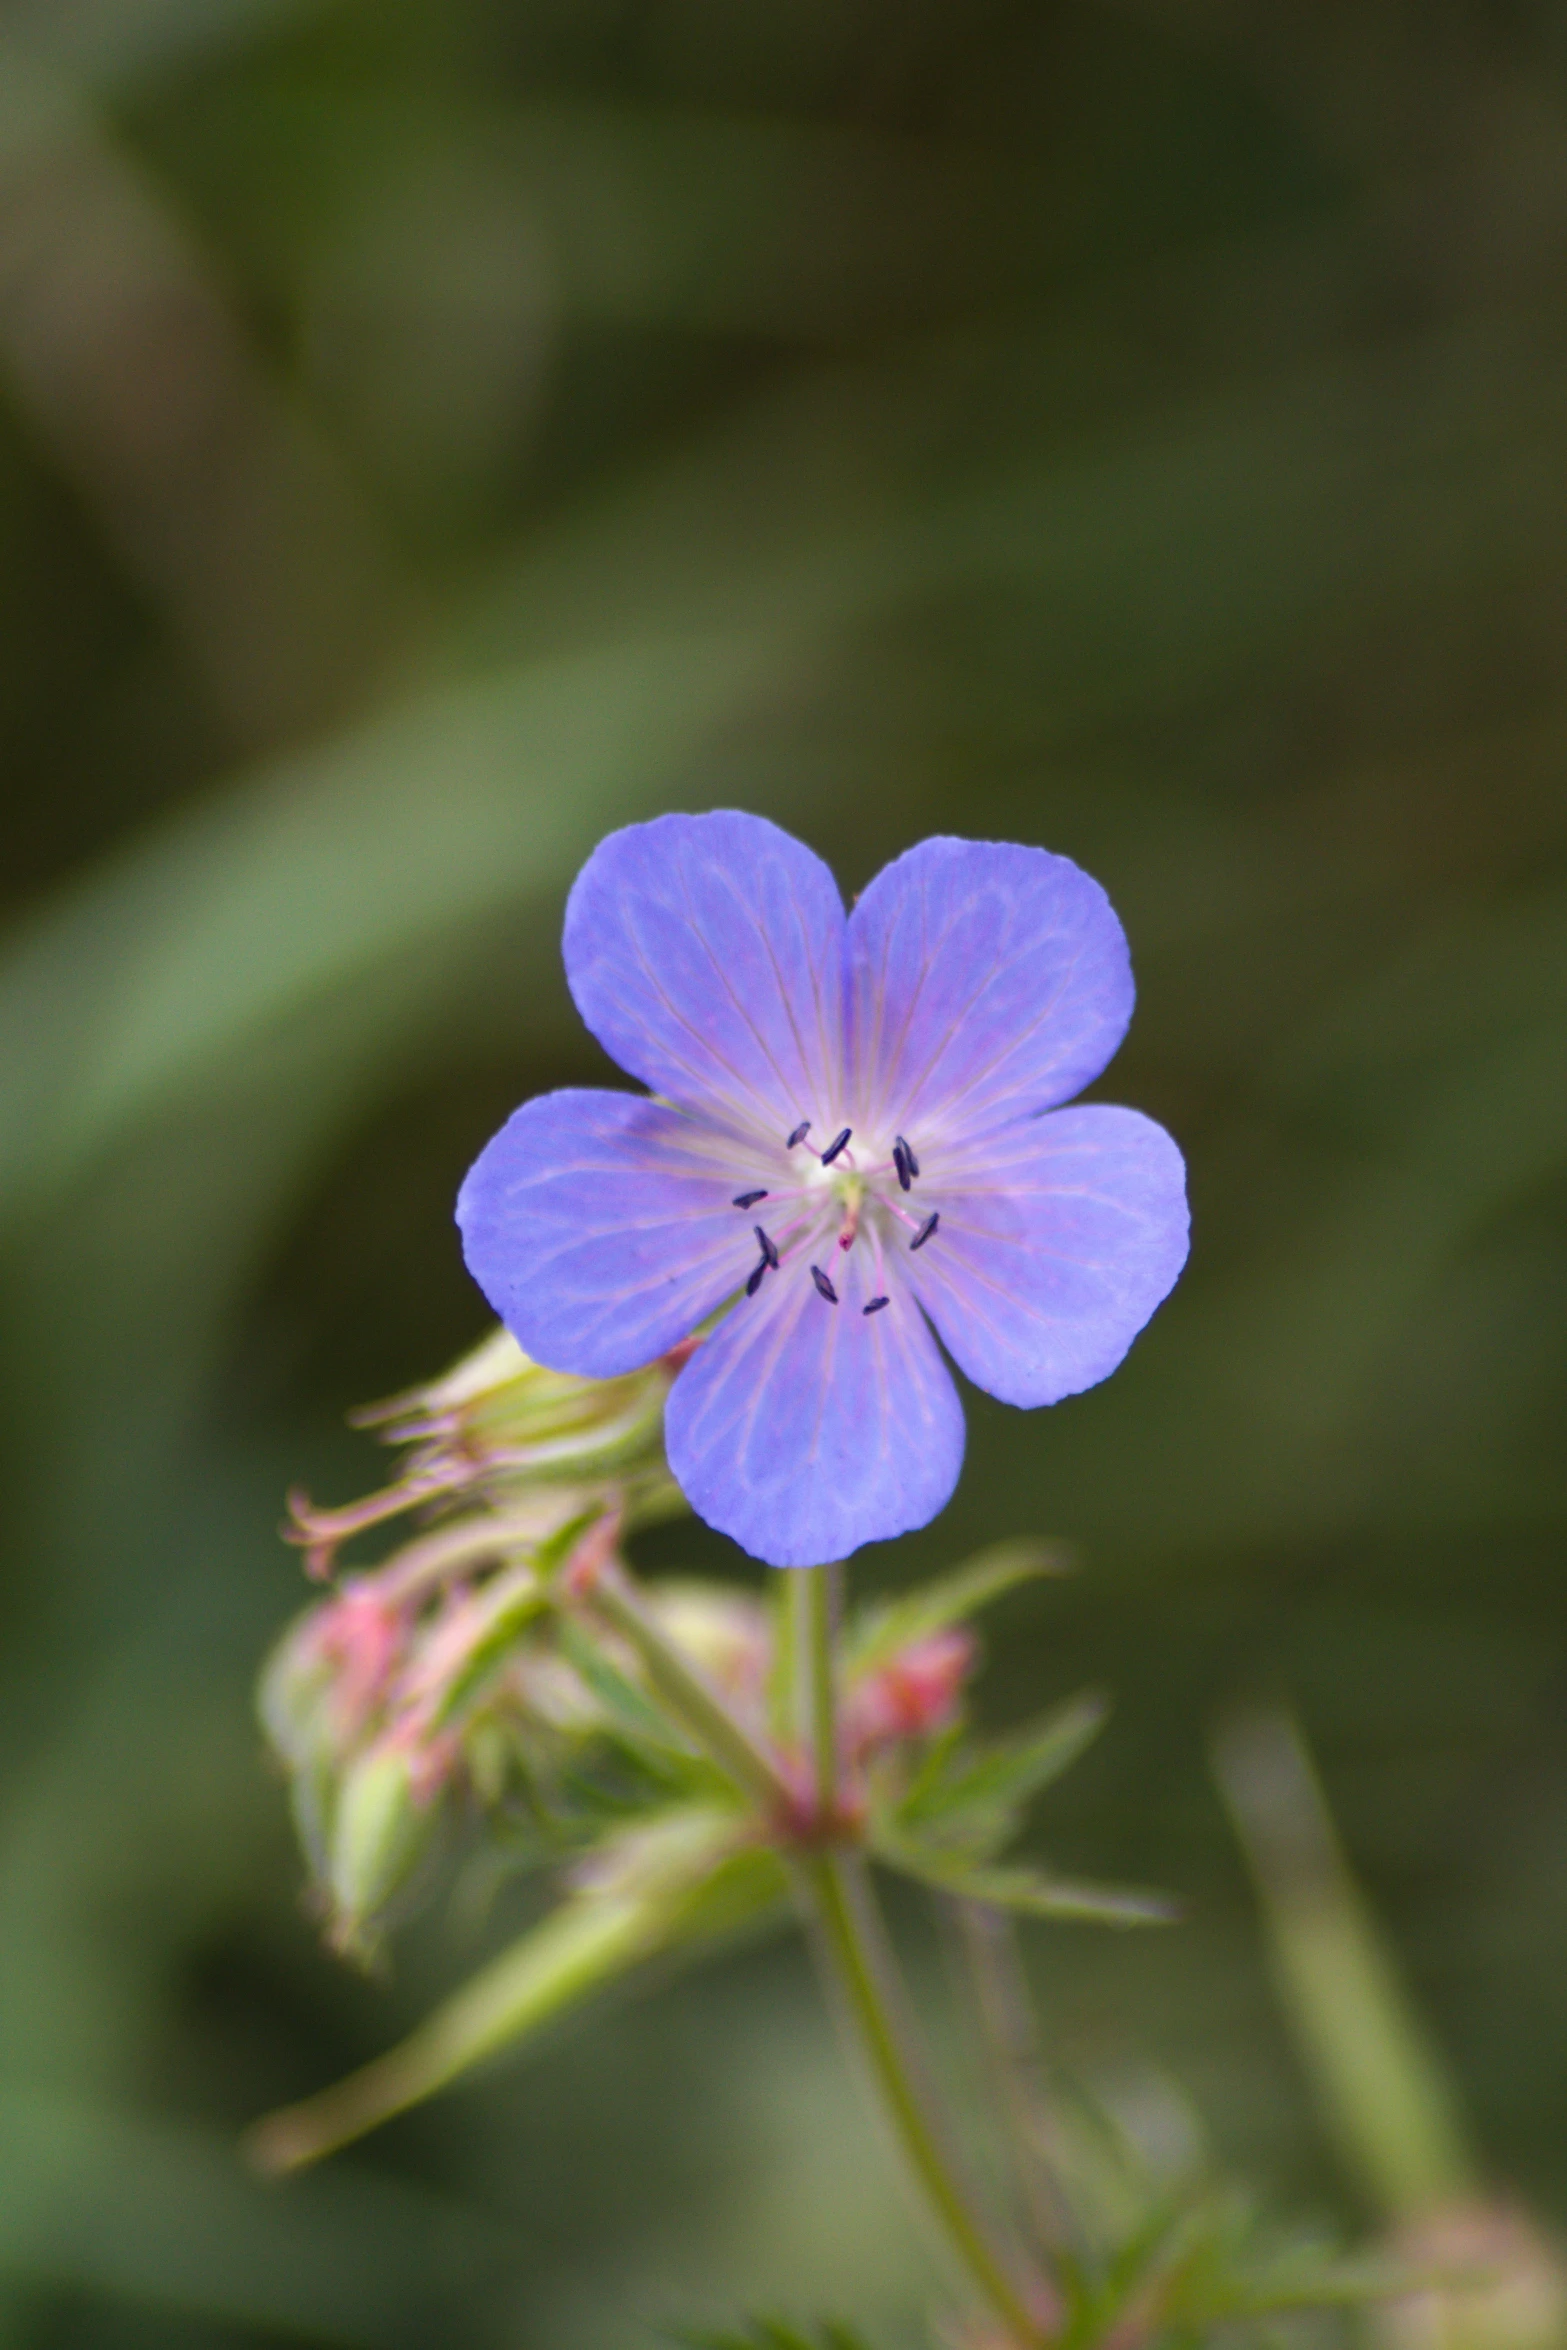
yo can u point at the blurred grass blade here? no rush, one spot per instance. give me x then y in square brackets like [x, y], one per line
[879, 1632]
[328, 868]
[1380, 2080]
[110, 46]
[237, 519]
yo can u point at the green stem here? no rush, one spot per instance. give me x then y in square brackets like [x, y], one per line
[1017, 2072]
[817, 1678]
[688, 1694]
[850, 1937]
[854, 1951]
[794, 1641]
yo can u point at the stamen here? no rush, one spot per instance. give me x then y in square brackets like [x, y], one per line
[748, 1199]
[769, 1253]
[899, 1144]
[900, 1159]
[799, 1134]
[876, 1305]
[824, 1287]
[835, 1146]
[755, 1282]
[926, 1229]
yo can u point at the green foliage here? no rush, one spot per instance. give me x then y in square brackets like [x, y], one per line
[1202, 2267]
[1030, 1892]
[763, 2333]
[967, 1800]
[973, 1797]
[877, 1632]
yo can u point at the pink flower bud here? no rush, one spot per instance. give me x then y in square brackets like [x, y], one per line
[360, 1637]
[915, 1693]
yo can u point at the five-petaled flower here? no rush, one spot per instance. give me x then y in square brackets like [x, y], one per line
[855, 1143]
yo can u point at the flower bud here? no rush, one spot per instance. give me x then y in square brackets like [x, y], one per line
[915, 1692]
[1497, 2284]
[727, 1633]
[385, 1816]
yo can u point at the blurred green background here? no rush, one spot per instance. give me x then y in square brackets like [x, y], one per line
[435, 431]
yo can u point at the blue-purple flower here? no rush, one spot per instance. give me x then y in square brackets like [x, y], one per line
[854, 1143]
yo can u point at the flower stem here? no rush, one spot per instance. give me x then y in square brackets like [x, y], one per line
[688, 1693]
[854, 1952]
[857, 1957]
[1019, 2083]
[817, 1683]
[850, 1938]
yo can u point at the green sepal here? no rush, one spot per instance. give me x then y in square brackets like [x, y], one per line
[974, 1799]
[672, 1883]
[380, 1830]
[879, 1632]
[509, 1603]
[635, 1714]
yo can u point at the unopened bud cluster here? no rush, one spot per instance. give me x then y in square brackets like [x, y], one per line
[429, 1683]
[467, 1680]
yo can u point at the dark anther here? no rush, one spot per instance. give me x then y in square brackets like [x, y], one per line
[799, 1134]
[748, 1199]
[835, 1146]
[876, 1305]
[823, 1285]
[899, 1144]
[755, 1282]
[925, 1230]
[900, 1159]
[769, 1253]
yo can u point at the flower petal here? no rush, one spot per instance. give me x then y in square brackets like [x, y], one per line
[601, 1227]
[706, 954]
[804, 1429]
[986, 982]
[1056, 1243]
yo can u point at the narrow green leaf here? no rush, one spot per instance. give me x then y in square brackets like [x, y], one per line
[591, 1940]
[1028, 1890]
[879, 1632]
[577, 1949]
[976, 1799]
